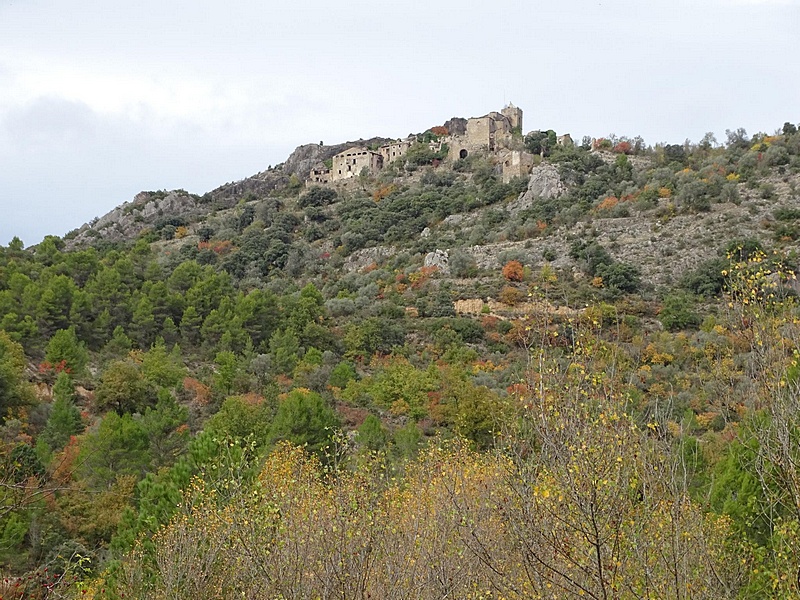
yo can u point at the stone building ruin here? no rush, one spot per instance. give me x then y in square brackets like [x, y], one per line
[353, 161]
[496, 133]
[565, 140]
[488, 133]
[515, 163]
[391, 152]
[319, 175]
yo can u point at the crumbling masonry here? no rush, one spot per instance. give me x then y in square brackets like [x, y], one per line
[497, 133]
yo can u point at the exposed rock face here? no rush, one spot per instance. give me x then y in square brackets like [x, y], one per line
[259, 185]
[305, 157]
[456, 126]
[545, 183]
[367, 256]
[130, 219]
[457, 219]
[439, 259]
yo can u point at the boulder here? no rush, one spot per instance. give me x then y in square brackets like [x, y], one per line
[545, 183]
[439, 259]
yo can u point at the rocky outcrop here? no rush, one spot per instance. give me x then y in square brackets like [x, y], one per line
[457, 219]
[298, 164]
[456, 126]
[129, 220]
[258, 186]
[368, 256]
[307, 156]
[439, 259]
[545, 183]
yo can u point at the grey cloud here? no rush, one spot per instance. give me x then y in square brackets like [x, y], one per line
[64, 164]
[48, 120]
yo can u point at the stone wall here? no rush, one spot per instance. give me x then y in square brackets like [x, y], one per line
[351, 162]
[319, 175]
[478, 306]
[564, 140]
[514, 116]
[491, 132]
[516, 163]
[479, 132]
[391, 152]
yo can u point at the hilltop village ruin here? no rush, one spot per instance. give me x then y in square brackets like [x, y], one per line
[496, 133]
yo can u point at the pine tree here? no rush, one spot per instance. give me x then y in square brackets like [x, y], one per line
[65, 346]
[304, 419]
[65, 418]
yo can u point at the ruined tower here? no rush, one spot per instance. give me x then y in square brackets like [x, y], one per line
[514, 115]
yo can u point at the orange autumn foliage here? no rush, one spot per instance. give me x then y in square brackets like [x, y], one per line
[383, 191]
[513, 271]
[200, 393]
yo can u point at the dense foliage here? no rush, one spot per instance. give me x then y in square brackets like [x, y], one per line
[283, 399]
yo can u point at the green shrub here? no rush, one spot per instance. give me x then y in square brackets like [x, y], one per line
[317, 196]
[678, 313]
[707, 279]
[304, 419]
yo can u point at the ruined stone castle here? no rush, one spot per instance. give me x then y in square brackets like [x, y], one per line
[490, 133]
[497, 133]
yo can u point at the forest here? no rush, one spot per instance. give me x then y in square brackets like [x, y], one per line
[282, 398]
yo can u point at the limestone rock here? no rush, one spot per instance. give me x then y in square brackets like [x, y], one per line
[545, 183]
[259, 185]
[129, 220]
[307, 156]
[439, 259]
[457, 219]
[456, 126]
[368, 256]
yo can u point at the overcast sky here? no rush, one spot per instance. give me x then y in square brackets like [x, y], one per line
[99, 99]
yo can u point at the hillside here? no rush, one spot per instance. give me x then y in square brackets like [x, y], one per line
[446, 374]
[666, 217]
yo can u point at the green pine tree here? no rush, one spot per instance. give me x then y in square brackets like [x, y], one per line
[65, 418]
